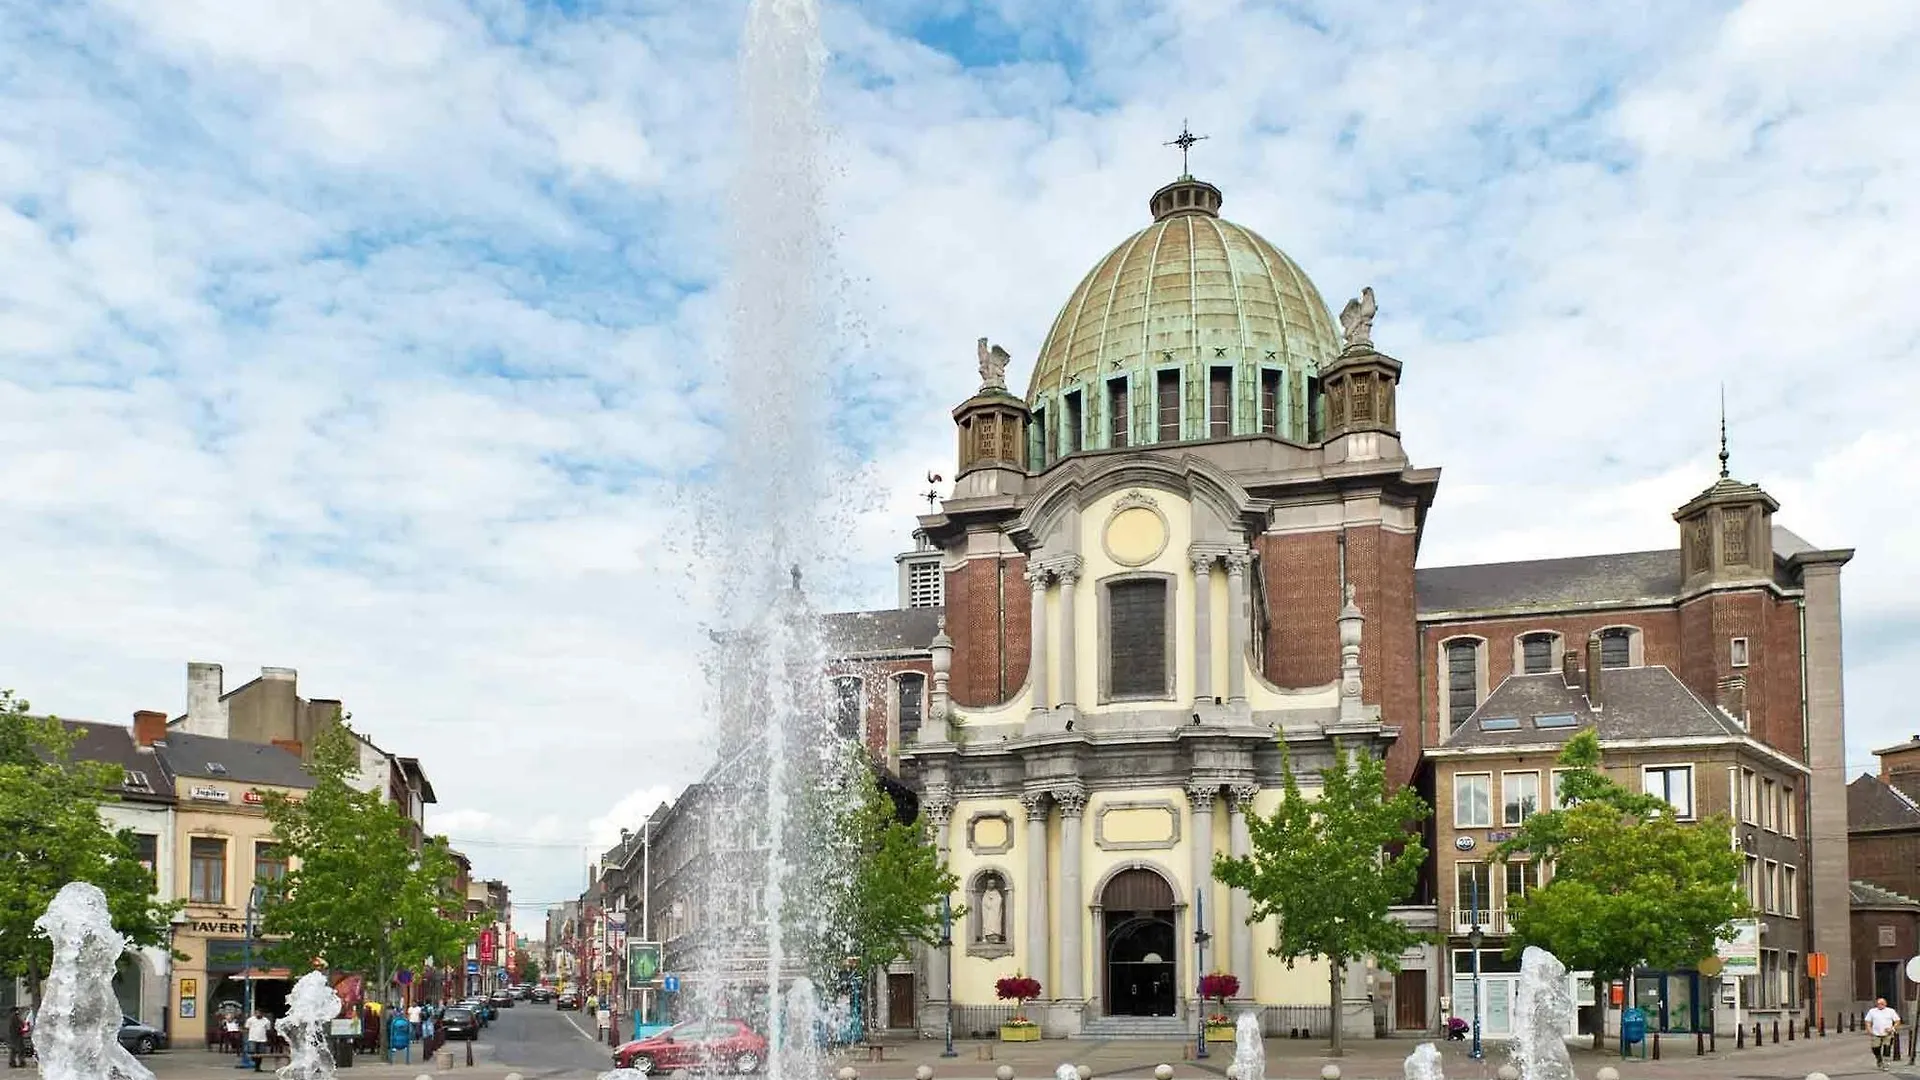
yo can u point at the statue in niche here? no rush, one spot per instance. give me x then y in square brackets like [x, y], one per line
[993, 366]
[993, 910]
[1356, 319]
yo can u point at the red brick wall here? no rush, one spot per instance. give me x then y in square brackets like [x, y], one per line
[981, 674]
[1301, 575]
[877, 676]
[1659, 636]
[1772, 629]
[1891, 861]
[1380, 567]
[1780, 671]
[1865, 926]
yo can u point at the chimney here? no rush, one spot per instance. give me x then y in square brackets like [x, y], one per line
[1732, 698]
[279, 674]
[149, 727]
[206, 713]
[1570, 668]
[292, 746]
[1593, 671]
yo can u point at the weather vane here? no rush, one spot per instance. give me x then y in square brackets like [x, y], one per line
[1185, 143]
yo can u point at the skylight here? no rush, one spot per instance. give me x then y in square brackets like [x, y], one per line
[216, 768]
[138, 781]
[1499, 723]
[1554, 720]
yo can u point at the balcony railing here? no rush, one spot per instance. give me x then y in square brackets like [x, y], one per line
[1491, 921]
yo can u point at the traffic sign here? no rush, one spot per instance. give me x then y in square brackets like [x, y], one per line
[1913, 969]
[473, 967]
[501, 974]
[671, 984]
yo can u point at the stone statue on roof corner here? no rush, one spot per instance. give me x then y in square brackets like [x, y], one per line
[1356, 319]
[993, 366]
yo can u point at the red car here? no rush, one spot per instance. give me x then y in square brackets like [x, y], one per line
[717, 1045]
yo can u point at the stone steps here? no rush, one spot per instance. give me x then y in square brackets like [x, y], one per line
[1135, 1027]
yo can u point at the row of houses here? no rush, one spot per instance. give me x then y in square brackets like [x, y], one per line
[193, 793]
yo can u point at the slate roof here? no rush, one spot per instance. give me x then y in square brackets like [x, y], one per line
[1634, 577]
[241, 762]
[869, 633]
[114, 745]
[1867, 894]
[1637, 703]
[1872, 803]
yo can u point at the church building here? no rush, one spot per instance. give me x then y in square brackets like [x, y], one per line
[1192, 540]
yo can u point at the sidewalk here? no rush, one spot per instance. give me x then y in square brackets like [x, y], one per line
[1372, 1059]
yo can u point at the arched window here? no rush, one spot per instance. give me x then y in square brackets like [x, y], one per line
[909, 696]
[1463, 662]
[1619, 647]
[846, 707]
[1539, 652]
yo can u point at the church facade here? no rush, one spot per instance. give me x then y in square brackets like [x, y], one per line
[1193, 541]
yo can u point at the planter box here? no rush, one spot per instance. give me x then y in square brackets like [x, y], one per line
[1019, 1032]
[1220, 1033]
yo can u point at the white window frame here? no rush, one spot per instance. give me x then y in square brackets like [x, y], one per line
[1636, 642]
[1753, 881]
[1772, 891]
[1749, 788]
[1556, 650]
[1789, 812]
[1487, 779]
[1646, 771]
[1769, 805]
[1524, 814]
[1789, 891]
[1553, 788]
[1738, 652]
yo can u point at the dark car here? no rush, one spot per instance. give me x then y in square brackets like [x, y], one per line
[480, 1009]
[541, 993]
[500, 999]
[567, 999]
[705, 1045]
[460, 1022]
[140, 1038]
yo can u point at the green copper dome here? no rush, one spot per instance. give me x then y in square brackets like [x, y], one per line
[1195, 295]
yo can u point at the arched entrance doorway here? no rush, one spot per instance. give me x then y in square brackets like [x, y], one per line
[1139, 947]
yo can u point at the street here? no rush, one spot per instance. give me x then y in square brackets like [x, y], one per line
[541, 1041]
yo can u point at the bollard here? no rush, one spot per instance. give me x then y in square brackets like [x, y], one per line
[1713, 1042]
[1507, 1072]
[1823, 1025]
[1004, 1072]
[514, 1076]
[1656, 1049]
[1816, 1076]
[848, 1072]
[1756, 1034]
[1607, 1072]
[924, 1072]
[1083, 1072]
[1740, 1038]
[1233, 1072]
[1791, 1024]
[1163, 1072]
[469, 1053]
[1329, 1072]
[1776, 1032]
[1699, 1043]
[443, 1059]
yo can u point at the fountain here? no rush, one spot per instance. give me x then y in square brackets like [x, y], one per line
[1424, 1063]
[1066, 1072]
[1249, 1048]
[1543, 1011]
[77, 1031]
[311, 1008]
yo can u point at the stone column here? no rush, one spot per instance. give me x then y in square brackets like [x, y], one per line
[1240, 935]
[1072, 802]
[1237, 625]
[1068, 574]
[1037, 628]
[1201, 794]
[939, 813]
[1202, 625]
[1035, 960]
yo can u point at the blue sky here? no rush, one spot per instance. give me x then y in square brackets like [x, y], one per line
[382, 344]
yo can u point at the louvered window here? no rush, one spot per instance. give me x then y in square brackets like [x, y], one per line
[1137, 638]
[1616, 648]
[1536, 653]
[1117, 413]
[1219, 403]
[912, 690]
[1463, 680]
[1167, 401]
[1270, 402]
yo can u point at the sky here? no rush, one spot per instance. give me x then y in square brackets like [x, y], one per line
[385, 343]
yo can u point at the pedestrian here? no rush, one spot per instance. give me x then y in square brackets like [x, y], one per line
[413, 1019]
[17, 1038]
[259, 1030]
[1882, 1022]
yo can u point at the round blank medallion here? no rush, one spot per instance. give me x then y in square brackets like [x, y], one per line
[1136, 535]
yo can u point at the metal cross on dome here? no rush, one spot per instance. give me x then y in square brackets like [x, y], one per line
[1185, 143]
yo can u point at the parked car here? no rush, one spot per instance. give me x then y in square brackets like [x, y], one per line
[500, 999]
[567, 999]
[481, 1009]
[140, 1038]
[542, 993]
[706, 1045]
[460, 1022]
[518, 993]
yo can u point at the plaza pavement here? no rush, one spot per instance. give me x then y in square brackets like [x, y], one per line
[1837, 1056]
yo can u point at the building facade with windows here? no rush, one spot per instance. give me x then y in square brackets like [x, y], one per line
[1883, 856]
[1500, 766]
[223, 845]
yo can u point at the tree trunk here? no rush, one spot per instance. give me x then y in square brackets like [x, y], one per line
[1333, 980]
[33, 982]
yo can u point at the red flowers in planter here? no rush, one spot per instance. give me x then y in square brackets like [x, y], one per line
[1219, 986]
[1018, 989]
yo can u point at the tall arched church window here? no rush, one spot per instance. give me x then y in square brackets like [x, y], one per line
[1463, 680]
[846, 707]
[910, 696]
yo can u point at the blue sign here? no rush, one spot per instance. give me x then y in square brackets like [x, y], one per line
[473, 967]
[501, 974]
[671, 984]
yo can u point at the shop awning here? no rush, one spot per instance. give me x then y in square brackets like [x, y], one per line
[262, 975]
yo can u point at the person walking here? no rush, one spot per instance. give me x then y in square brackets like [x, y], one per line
[1882, 1022]
[17, 1038]
[259, 1031]
[413, 1019]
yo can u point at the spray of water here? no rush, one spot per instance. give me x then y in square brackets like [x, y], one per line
[1543, 1011]
[1424, 1063]
[1249, 1048]
[311, 1008]
[77, 1031]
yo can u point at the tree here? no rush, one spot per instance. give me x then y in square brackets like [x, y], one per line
[51, 833]
[529, 967]
[898, 882]
[1632, 884]
[357, 892]
[1326, 868]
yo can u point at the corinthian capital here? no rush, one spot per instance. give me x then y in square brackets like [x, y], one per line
[1201, 794]
[1035, 804]
[1072, 801]
[1037, 576]
[1243, 795]
[1238, 560]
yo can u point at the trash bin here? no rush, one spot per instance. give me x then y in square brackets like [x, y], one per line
[1633, 1030]
[343, 1051]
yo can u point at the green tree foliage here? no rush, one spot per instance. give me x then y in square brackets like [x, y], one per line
[898, 882]
[51, 833]
[529, 967]
[1632, 885]
[357, 892]
[1326, 868]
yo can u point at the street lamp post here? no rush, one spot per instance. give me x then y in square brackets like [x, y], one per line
[253, 906]
[1473, 942]
[1200, 939]
[946, 943]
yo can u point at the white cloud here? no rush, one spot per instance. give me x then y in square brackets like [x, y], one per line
[384, 344]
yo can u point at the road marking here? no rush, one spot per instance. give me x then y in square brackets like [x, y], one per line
[578, 1028]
